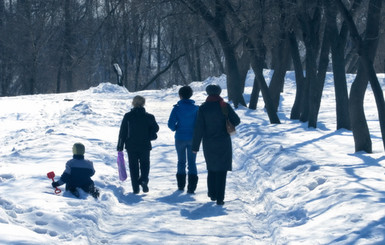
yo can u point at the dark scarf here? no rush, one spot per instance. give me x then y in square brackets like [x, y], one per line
[216, 98]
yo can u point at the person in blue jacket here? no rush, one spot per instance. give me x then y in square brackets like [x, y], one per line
[182, 121]
[78, 173]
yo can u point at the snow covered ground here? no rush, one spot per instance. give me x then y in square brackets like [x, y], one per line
[290, 184]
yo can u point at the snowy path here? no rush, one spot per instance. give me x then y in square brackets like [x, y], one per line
[289, 184]
[119, 217]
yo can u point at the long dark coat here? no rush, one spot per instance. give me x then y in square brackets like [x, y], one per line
[210, 128]
[137, 130]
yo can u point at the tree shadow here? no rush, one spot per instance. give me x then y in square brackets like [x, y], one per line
[376, 226]
[205, 211]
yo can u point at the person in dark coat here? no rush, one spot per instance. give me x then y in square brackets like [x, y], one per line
[182, 120]
[137, 130]
[78, 173]
[210, 128]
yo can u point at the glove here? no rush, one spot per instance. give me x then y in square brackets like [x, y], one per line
[55, 184]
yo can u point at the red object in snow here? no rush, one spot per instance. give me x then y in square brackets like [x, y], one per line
[51, 175]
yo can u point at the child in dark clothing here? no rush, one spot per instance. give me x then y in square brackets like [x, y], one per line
[78, 173]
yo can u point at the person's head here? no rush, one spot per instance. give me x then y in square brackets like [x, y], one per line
[185, 92]
[213, 89]
[138, 101]
[78, 149]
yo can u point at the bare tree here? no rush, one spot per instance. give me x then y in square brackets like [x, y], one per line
[215, 18]
[366, 49]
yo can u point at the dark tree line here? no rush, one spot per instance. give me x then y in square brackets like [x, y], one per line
[65, 45]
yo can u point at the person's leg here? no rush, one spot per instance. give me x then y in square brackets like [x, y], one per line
[211, 185]
[181, 166]
[192, 169]
[220, 186]
[144, 169]
[192, 183]
[191, 159]
[91, 189]
[72, 188]
[133, 164]
[180, 147]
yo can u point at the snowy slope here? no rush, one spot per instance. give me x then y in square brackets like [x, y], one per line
[290, 184]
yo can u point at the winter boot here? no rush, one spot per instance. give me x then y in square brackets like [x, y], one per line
[94, 192]
[144, 186]
[181, 179]
[192, 183]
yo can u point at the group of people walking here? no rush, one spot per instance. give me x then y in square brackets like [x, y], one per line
[192, 125]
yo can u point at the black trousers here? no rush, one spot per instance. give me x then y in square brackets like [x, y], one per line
[216, 184]
[139, 160]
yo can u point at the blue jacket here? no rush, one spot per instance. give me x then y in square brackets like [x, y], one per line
[78, 173]
[182, 119]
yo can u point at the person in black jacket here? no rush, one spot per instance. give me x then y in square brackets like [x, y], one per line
[210, 128]
[137, 130]
[78, 173]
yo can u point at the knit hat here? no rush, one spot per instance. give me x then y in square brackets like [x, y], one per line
[213, 89]
[78, 149]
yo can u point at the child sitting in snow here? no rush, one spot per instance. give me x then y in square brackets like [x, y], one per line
[78, 173]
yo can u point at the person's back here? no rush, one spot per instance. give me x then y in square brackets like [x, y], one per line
[210, 128]
[79, 172]
[214, 120]
[182, 121]
[140, 127]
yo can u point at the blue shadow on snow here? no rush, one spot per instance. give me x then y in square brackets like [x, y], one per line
[205, 211]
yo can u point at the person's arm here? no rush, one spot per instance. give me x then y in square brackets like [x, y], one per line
[64, 177]
[172, 120]
[122, 134]
[198, 132]
[92, 169]
[233, 117]
[155, 126]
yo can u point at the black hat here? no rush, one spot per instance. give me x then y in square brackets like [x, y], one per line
[213, 89]
[185, 92]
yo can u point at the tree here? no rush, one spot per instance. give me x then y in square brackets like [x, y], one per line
[366, 50]
[253, 43]
[338, 43]
[216, 20]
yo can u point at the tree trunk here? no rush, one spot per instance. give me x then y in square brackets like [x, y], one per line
[310, 28]
[217, 24]
[281, 66]
[244, 67]
[366, 50]
[281, 60]
[299, 78]
[338, 42]
[68, 46]
[257, 65]
[254, 94]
